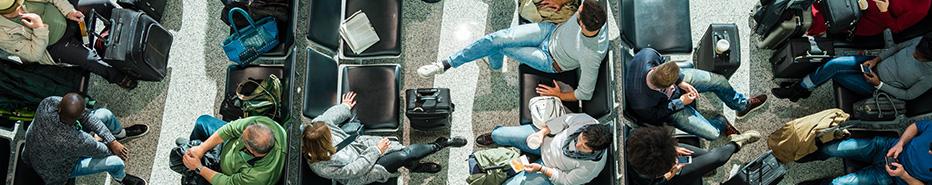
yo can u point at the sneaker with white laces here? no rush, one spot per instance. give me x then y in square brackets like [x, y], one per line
[430, 69]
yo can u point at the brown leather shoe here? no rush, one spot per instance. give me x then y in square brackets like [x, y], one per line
[753, 104]
[484, 139]
[729, 128]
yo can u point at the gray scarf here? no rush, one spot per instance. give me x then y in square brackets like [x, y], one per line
[571, 141]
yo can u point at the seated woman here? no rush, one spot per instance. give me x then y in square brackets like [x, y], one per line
[367, 159]
[39, 31]
[877, 16]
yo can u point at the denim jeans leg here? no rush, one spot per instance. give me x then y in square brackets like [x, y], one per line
[205, 126]
[515, 136]
[527, 35]
[529, 178]
[831, 68]
[874, 174]
[860, 149]
[690, 121]
[534, 57]
[110, 164]
[705, 81]
[855, 82]
[109, 120]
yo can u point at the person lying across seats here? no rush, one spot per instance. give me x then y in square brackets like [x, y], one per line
[902, 71]
[912, 158]
[252, 150]
[653, 152]
[59, 144]
[575, 154]
[579, 43]
[46, 32]
[367, 159]
[659, 92]
[876, 16]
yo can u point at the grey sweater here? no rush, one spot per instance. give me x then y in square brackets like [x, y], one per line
[568, 171]
[355, 164]
[53, 148]
[572, 50]
[902, 75]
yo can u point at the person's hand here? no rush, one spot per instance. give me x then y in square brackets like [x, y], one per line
[32, 20]
[882, 5]
[683, 151]
[196, 152]
[872, 63]
[545, 90]
[76, 16]
[899, 172]
[382, 145]
[191, 162]
[552, 4]
[674, 171]
[688, 98]
[872, 78]
[118, 149]
[349, 99]
[894, 151]
[689, 89]
[533, 167]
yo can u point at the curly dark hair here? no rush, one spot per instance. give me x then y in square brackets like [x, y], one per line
[598, 136]
[592, 15]
[651, 150]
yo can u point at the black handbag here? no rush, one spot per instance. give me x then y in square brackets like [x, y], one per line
[841, 16]
[765, 170]
[211, 160]
[880, 107]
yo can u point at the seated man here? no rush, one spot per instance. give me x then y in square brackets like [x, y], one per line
[59, 144]
[898, 15]
[253, 150]
[579, 43]
[902, 72]
[574, 155]
[652, 153]
[659, 92]
[911, 152]
[40, 31]
[366, 159]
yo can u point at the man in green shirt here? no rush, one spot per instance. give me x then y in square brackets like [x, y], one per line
[252, 151]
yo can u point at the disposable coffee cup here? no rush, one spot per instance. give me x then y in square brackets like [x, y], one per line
[722, 46]
[534, 141]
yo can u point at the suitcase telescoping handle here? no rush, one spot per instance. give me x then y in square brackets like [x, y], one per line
[92, 27]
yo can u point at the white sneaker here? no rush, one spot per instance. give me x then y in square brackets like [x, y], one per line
[430, 70]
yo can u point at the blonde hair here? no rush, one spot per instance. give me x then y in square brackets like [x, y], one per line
[317, 142]
[665, 75]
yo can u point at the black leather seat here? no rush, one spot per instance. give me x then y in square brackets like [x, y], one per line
[25, 85]
[237, 74]
[385, 16]
[286, 37]
[600, 105]
[660, 24]
[324, 23]
[320, 85]
[920, 105]
[378, 101]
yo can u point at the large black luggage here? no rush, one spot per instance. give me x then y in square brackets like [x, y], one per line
[765, 170]
[708, 58]
[138, 45]
[801, 56]
[153, 8]
[777, 21]
[429, 109]
[840, 15]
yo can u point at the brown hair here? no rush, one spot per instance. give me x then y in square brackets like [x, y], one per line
[665, 75]
[318, 142]
[592, 15]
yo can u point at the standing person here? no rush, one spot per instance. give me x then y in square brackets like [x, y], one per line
[579, 43]
[59, 144]
[658, 92]
[252, 150]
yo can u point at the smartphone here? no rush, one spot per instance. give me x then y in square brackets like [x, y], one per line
[890, 161]
[684, 159]
[865, 69]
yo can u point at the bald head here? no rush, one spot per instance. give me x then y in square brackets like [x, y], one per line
[70, 108]
[258, 137]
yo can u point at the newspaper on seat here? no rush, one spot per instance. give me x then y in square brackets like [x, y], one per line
[358, 32]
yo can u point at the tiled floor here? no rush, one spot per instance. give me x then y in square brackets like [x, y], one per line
[429, 32]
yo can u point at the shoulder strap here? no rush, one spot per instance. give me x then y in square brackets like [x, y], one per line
[352, 136]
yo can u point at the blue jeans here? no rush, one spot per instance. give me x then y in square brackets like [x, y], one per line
[110, 164]
[846, 71]
[689, 120]
[865, 150]
[527, 43]
[529, 178]
[205, 126]
[108, 119]
[516, 136]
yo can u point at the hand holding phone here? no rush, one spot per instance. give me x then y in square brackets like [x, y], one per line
[889, 161]
[866, 69]
[684, 159]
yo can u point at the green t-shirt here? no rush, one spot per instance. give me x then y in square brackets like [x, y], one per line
[50, 16]
[235, 165]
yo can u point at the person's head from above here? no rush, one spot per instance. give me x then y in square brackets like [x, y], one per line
[651, 151]
[592, 17]
[593, 138]
[924, 49]
[11, 8]
[663, 77]
[317, 143]
[259, 139]
[70, 108]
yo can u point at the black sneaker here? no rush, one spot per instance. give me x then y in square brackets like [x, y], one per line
[132, 180]
[793, 92]
[137, 130]
[426, 167]
[753, 104]
[452, 142]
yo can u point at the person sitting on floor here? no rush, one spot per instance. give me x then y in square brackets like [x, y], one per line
[913, 158]
[574, 155]
[659, 92]
[367, 159]
[579, 43]
[47, 32]
[59, 144]
[252, 150]
[652, 153]
[902, 72]
[898, 15]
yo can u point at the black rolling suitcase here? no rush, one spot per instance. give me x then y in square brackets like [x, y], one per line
[138, 45]
[726, 62]
[840, 15]
[801, 56]
[765, 170]
[429, 109]
[153, 8]
[775, 21]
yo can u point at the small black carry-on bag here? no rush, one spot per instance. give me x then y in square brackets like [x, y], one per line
[765, 170]
[153, 8]
[429, 108]
[841, 16]
[137, 45]
[801, 56]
